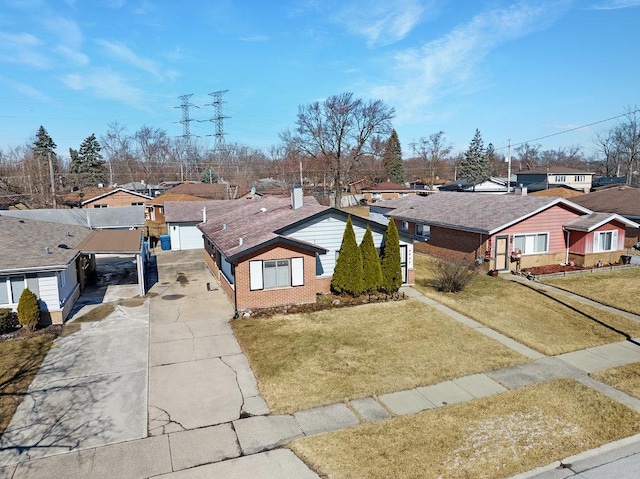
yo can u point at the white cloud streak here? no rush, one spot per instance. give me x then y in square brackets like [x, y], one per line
[123, 53]
[105, 84]
[23, 48]
[449, 63]
[616, 4]
[26, 90]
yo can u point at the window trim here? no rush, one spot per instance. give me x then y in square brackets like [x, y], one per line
[405, 226]
[523, 250]
[295, 266]
[597, 242]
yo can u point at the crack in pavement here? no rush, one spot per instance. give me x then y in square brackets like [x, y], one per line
[167, 422]
[235, 373]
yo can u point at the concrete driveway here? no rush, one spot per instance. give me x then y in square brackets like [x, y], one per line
[198, 375]
[90, 391]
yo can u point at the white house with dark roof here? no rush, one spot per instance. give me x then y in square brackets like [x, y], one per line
[491, 230]
[545, 178]
[277, 251]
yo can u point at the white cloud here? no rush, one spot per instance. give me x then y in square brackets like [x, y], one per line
[105, 84]
[450, 62]
[257, 38]
[26, 90]
[615, 4]
[23, 48]
[68, 31]
[123, 53]
[380, 21]
[75, 56]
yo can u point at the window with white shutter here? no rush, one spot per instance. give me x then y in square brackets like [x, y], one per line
[297, 271]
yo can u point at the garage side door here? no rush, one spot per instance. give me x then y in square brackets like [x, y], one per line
[191, 238]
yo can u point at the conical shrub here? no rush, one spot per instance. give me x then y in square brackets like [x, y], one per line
[347, 274]
[28, 310]
[371, 267]
[391, 264]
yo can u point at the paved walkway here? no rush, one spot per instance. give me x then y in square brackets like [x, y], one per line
[206, 418]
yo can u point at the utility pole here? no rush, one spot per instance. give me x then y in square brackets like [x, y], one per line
[509, 169]
[53, 181]
[300, 173]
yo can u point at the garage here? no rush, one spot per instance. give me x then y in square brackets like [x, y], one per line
[185, 236]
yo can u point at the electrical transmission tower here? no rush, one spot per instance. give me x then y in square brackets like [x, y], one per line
[186, 133]
[218, 118]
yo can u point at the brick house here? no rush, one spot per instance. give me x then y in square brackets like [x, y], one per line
[116, 197]
[386, 191]
[280, 251]
[493, 230]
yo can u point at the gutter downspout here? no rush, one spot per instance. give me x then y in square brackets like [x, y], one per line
[566, 259]
[235, 293]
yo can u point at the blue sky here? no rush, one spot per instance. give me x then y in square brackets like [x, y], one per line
[516, 70]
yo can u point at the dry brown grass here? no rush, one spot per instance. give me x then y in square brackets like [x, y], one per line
[494, 437]
[548, 323]
[625, 378]
[617, 288]
[306, 360]
[362, 211]
[19, 363]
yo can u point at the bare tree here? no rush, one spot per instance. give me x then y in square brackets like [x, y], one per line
[433, 151]
[627, 136]
[528, 156]
[610, 149]
[339, 131]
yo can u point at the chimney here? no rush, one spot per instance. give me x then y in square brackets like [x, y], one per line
[296, 197]
[204, 214]
[521, 191]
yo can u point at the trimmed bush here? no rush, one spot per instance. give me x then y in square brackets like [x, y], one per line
[452, 276]
[347, 274]
[391, 264]
[8, 320]
[371, 268]
[28, 310]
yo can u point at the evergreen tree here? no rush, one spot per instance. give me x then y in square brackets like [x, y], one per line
[44, 143]
[371, 267]
[209, 176]
[347, 274]
[43, 151]
[88, 167]
[474, 167]
[28, 310]
[74, 165]
[391, 264]
[392, 159]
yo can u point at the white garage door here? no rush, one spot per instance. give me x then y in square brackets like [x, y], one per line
[190, 237]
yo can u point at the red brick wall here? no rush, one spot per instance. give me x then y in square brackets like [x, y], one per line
[119, 198]
[266, 298]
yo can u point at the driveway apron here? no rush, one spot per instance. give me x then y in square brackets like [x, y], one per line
[198, 375]
[90, 391]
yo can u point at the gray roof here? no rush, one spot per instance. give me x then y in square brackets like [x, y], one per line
[403, 202]
[477, 212]
[23, 244]
[98, 218]
[595, 220]
[191, 211]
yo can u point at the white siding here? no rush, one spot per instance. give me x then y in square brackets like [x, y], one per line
[378, 215]
[185, 236]
[49, 293]
[327, 232]
[70, 283]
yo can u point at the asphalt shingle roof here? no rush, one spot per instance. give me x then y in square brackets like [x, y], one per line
[475, 211]
[23, 243]
[387, 186]
[107, 218]
[213, 191]
[190, 211]
[623, 200]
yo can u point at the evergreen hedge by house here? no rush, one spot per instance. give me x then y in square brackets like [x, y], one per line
[347, 274]
[391, 264]
[371, 267]
[28, 310]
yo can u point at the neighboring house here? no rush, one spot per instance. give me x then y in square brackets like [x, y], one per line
[154, 209]
[559, 191]
[44, 257]
[491, 185]
[556, 175]
[280, 251]
[386, 191]
[183, 218]
[489, 229]
[209, 191]
[142, 187]
[115, 198]
[380, 212]
[126, 217]
[622, 200]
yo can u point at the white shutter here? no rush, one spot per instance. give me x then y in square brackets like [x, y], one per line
[255, 275]
[297, 271]
[614, 241]
[596, 237]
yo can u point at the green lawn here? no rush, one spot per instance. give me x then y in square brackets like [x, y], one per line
[548, 323]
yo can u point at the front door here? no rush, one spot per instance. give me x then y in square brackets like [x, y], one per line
[502, 253]
[403, 262]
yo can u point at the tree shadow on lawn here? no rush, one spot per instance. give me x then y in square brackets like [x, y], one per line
[582, 313]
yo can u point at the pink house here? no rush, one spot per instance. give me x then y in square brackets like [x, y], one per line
[494, 231]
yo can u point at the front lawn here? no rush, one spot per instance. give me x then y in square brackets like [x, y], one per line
[19, 363]
[546, 322]
[312, 359]
[625, 378]
[618, 289]
[494, 437]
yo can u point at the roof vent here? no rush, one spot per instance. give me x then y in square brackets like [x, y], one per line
[224, 226]
[240, 241]
[68, 233]
[262, 210]
[47, 250]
